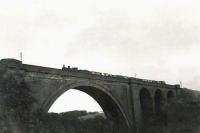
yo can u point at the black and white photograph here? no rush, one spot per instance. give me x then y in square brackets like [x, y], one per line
[99, 66]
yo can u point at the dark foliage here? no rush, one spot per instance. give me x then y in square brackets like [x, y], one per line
[176, 117]
[68, 122]
[16, 102]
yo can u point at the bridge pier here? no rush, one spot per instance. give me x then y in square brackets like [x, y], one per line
[136, 109]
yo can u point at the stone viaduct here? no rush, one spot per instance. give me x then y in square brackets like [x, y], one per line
[124, 100]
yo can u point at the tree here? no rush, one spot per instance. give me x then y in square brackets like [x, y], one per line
[16, 99]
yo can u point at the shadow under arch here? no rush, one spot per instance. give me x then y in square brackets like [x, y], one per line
[109, 104]
[170, 96]
[146, 103]
[158, 101]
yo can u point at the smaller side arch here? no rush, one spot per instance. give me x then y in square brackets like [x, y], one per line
[146, 103]
[170, 96]
[158, 99]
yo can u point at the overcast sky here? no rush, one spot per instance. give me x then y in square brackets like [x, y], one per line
[157, 39]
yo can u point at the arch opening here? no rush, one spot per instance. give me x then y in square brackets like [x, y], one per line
[170, 96]
[158, 102]
[106, 101]
[146, 103]
[74, 100]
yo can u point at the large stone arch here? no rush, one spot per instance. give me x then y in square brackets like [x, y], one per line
[146, 103]
[110, 105]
